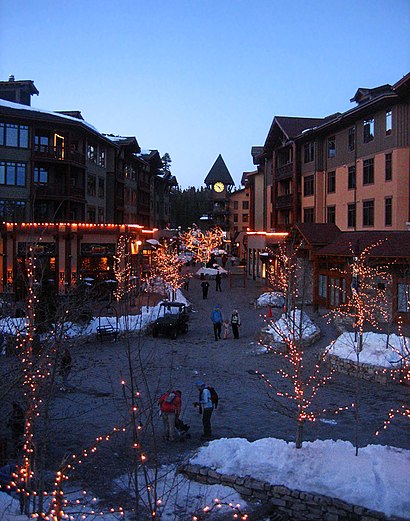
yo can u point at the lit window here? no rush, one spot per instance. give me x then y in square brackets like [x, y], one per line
[368, 130]
[388, 122]
[331, 146]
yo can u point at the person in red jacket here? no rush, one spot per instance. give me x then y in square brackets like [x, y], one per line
[170, 405]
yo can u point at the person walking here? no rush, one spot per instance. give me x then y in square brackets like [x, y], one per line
[170, 405]
[65, 367]
[205, 408]
[217, 319]
[235, 323]
[205, 288]
[218, 279]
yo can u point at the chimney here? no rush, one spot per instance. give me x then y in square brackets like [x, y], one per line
[11, 77]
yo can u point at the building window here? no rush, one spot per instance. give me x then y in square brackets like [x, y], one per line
[368, 213]
[13, 135]
[368, 171]
[388, 211]
[40, 175]
[308, 215]
[245, 205]
[351, 138]
[235, 205]
[101, 159]
[351, 215]
[323, 286]
[308, 185]
[403, 297]
[309, 150]
[331, 146]
[100, 215]
[331, 214]
[351, 178]
[235, 217]
[286, 217]
[331, 182]
[92, 153]
[12, 210]
[41, 143]
[91, 185]
[388, 167]
[245, 217]
[91, 214]
[101, 190]
[388, 122]
[12, 174]
[368, 130]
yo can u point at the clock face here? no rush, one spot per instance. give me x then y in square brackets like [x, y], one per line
[219, 186]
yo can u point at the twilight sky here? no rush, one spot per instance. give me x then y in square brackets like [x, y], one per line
[198, 78]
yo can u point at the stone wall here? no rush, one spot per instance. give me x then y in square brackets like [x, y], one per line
[298, 505]
[364, 371]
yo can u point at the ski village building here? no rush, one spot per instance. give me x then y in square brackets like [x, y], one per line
[69, 192]
[337, 185]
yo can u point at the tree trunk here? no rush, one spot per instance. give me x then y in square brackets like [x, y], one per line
[299, 434]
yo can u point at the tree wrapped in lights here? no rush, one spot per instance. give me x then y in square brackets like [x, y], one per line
[296, 389]
[365, 303]
[201, 243]
[167, 266]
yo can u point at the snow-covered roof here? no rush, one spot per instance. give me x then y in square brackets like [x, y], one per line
[26, 108]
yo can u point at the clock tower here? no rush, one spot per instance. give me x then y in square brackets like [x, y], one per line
[220, 182]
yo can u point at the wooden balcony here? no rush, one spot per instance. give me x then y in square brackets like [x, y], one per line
[57, 191]
[283, 172]
[284, 201]
[50, 153]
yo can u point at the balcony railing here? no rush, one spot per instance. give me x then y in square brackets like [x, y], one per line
[57, 191]
[283, 172]
[284, 201]
[46, 152]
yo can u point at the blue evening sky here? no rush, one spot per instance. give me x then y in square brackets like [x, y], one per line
[200, 78]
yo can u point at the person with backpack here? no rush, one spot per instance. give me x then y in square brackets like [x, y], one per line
[217, 319]
[170, 405]
[205, 288]
[208, 400]
[235, 323]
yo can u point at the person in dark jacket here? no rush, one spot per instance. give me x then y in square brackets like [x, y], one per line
[170, 405]
[205, 288]
[235, 323]
[218, 279]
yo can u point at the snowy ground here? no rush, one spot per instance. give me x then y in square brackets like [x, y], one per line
[377, 478]
[272, 298]
[290, 325]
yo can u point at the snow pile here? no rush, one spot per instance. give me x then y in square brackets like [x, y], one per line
[375, 349]
[377, 478]
[289, 326]
[211, 272]
[272, 298]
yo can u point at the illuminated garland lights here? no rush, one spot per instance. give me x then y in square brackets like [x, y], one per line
[202, 243]
[167, 266]
[218, 504]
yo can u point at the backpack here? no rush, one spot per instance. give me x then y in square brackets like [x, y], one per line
[170, 398]
[235, 319]
[214, 396]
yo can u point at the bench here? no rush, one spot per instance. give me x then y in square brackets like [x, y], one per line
[106, 331]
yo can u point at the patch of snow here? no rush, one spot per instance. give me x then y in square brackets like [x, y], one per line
[377, 478]
[288, 326]
[272, 298]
